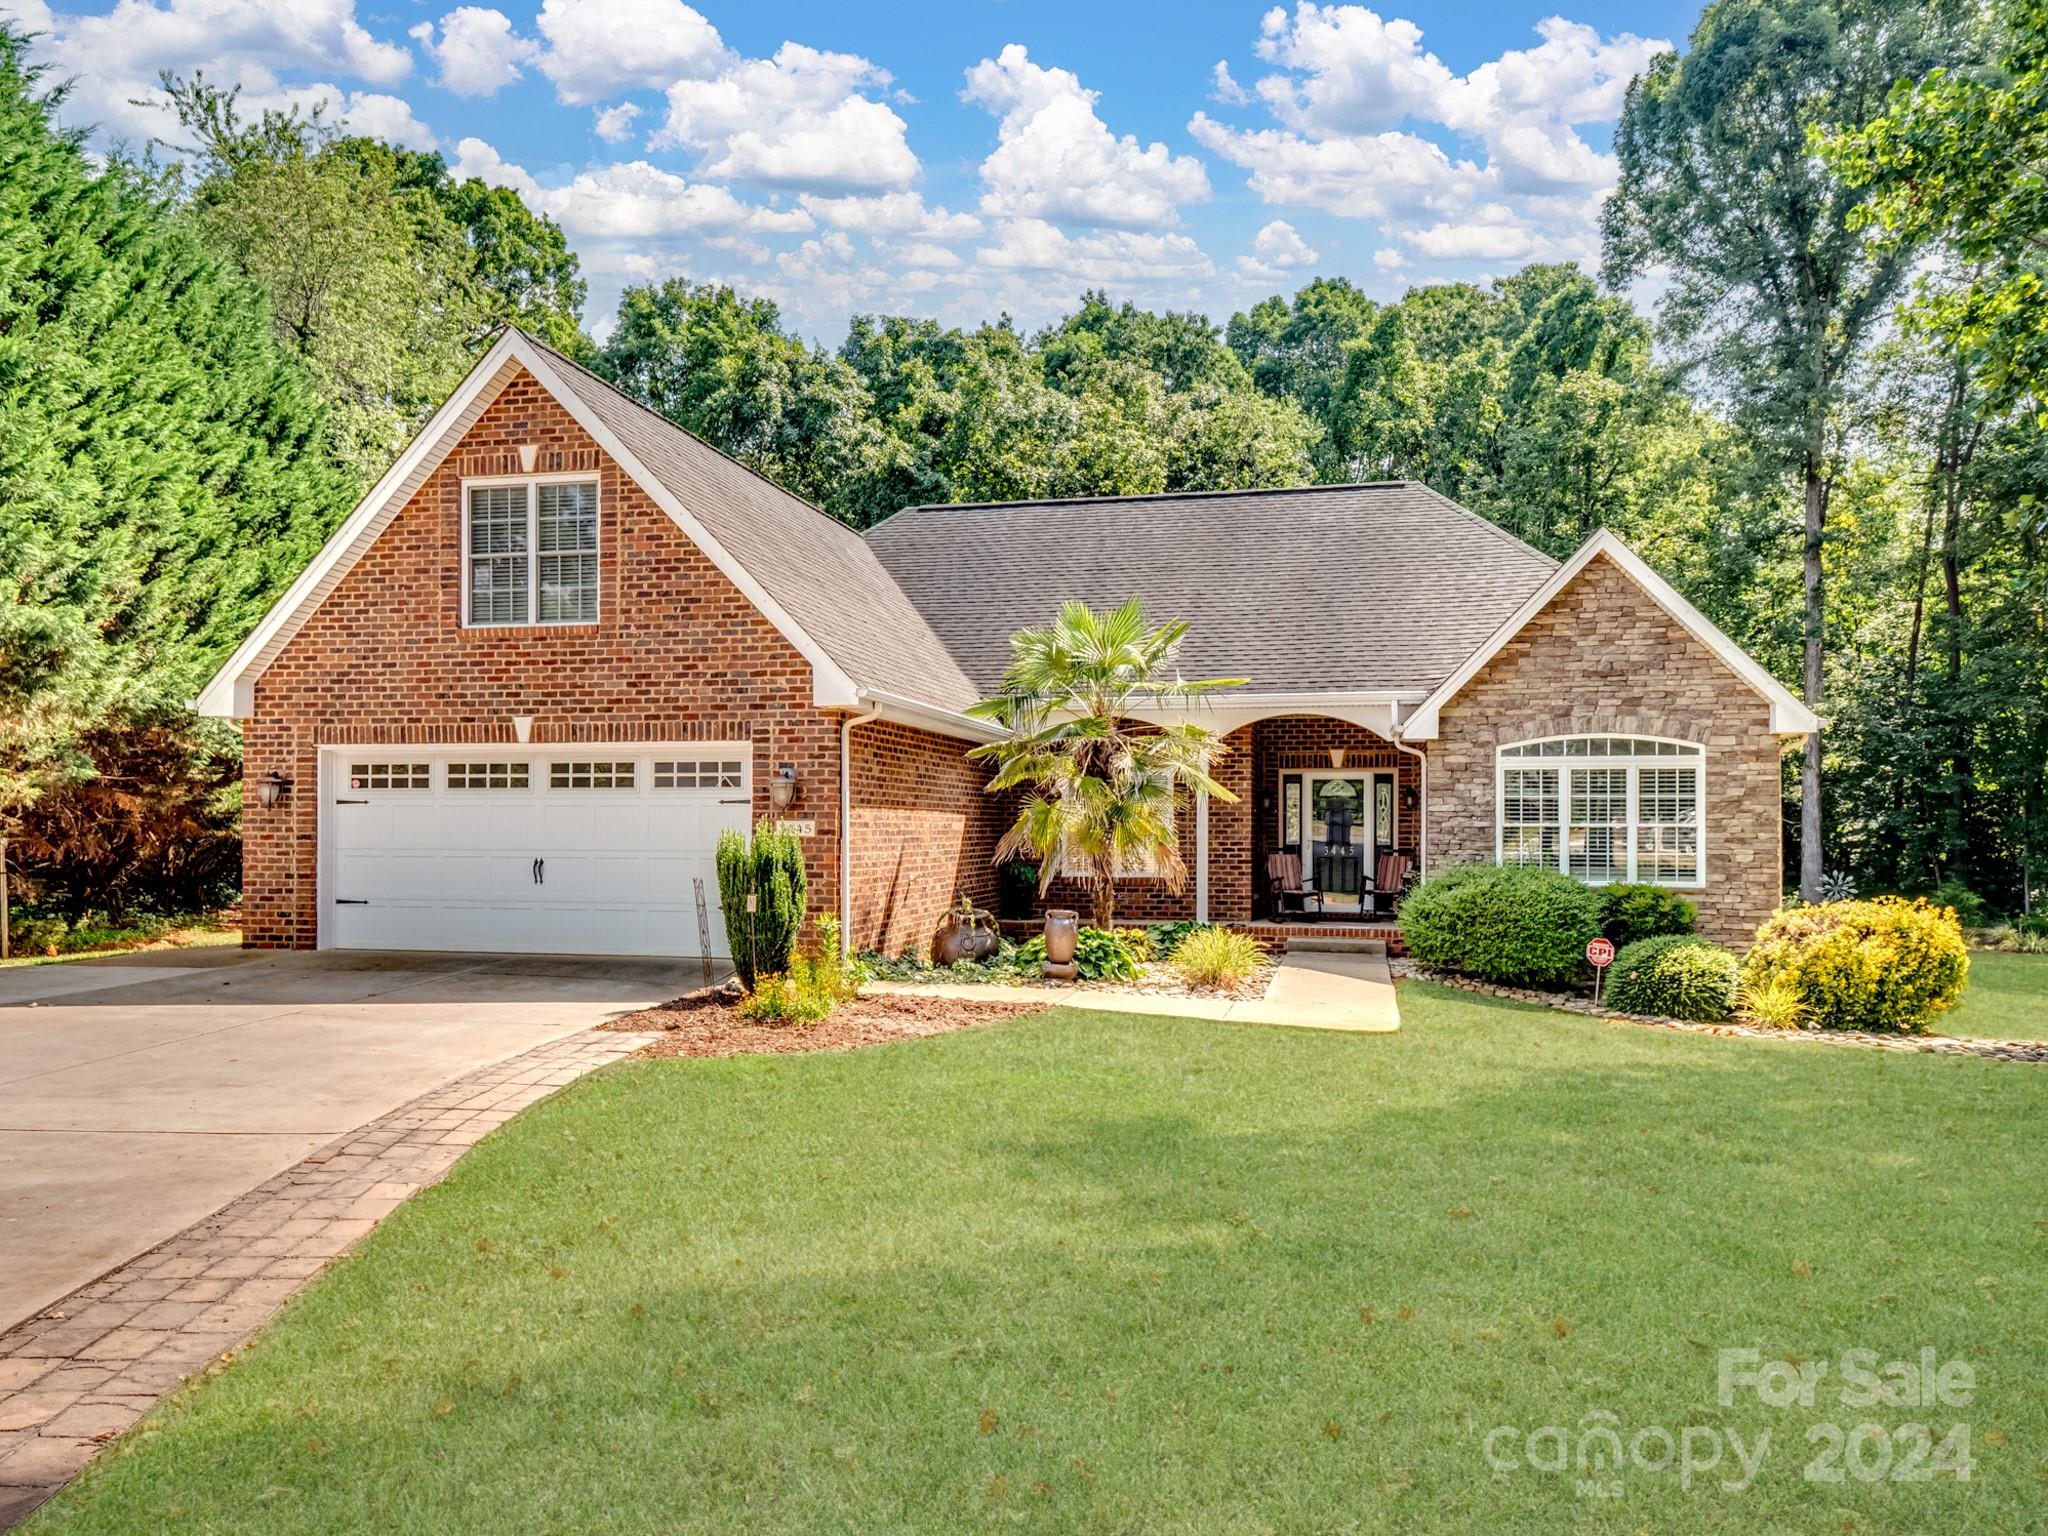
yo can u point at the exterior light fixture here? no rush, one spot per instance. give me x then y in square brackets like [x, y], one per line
[782, 787]
[1409, 798]
[273, 787]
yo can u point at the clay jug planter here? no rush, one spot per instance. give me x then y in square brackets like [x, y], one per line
[965, 933]
[1062, 932]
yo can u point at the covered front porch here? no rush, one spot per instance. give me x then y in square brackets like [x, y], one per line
[1324, 785]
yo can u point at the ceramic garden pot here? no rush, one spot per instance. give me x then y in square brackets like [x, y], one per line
[965, 933]
[1062, 931]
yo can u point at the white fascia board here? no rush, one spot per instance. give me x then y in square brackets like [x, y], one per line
[831, 688]
[1789, 717]
[901, 710]
[230, 693]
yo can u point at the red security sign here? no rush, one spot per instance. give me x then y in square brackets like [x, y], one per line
[1600, 953]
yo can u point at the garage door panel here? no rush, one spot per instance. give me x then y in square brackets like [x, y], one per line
[440, 868]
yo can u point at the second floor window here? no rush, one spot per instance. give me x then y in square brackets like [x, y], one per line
[530, 553]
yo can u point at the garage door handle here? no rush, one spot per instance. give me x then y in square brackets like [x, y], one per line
[540, 871]
[351, 901]
[736, 800]
[351, 802]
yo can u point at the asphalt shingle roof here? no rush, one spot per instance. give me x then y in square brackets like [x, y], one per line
[1321, 588]
[821, 572]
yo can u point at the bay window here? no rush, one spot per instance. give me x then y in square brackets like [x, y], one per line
[1602, 809]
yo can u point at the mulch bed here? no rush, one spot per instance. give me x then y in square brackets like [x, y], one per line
[709, 1024]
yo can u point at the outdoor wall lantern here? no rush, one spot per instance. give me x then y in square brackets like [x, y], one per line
[782, 787]
[1409, 798]
[273, 787]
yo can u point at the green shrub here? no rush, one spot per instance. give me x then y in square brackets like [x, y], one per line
[770, 869]
[1216, 957]
[1502, 924]
[1677, 975]
[36, 933]
[1166, 937]
[1632, 912]
[1967, 905]
[1774, 1004]
[1099, 955]
[784, 999]
[783, 892]
[1883, 964]
[816, 982]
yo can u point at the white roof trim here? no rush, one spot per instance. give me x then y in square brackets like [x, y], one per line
[899, 710]
[230, 694]
[1789, 717]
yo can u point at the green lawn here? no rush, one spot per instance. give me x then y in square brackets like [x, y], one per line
[2006, 998]
[1095, 1272]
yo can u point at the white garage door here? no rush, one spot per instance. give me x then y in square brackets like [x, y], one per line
[531, 850]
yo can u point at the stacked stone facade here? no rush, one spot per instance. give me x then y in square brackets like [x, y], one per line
[1605, 658]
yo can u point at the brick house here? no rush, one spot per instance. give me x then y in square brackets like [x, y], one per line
[562, 644]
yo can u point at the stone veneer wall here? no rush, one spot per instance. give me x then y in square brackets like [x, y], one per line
[1604, 658]
[924, 830]
[677, 654]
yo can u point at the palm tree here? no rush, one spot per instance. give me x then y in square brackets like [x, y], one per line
[1102, 784]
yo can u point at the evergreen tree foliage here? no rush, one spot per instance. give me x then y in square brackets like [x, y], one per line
[163, 466]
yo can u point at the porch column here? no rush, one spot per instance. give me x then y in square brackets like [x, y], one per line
[1201, 855]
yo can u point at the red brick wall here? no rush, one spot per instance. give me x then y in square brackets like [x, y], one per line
[677, 654]
[924, 830]
[1604, 658]
[1145, 900]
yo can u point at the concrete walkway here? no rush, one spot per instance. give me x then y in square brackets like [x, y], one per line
[1332, 990]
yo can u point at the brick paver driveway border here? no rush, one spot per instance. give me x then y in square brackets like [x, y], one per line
[86, 1369]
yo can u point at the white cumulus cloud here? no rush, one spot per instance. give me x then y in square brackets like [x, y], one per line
[599, 48]
[1353, 98]
[477, 53]
[630, 201]
[1277, 249]
[614, 124]
[1058, 160]
[799, 119]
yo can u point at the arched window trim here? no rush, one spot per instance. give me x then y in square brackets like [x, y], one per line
[1604, 819]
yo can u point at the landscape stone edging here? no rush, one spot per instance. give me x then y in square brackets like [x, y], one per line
[1936, 1045]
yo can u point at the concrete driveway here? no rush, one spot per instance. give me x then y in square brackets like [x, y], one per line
[139, 1094]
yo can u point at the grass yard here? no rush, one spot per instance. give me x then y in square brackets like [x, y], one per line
[2006, 998]
[1085, 1272]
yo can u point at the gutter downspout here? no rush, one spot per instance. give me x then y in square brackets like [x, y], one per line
[846, 826]
[1422, 829]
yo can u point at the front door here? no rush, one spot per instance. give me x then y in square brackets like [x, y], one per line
[1347, 823]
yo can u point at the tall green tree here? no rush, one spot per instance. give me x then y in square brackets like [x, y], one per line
[1961, 156]
[1776, 282]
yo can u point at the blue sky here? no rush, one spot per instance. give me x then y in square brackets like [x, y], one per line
[952, 159]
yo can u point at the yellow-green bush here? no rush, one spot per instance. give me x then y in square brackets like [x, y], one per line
[1882, 964]
[1216, 957]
